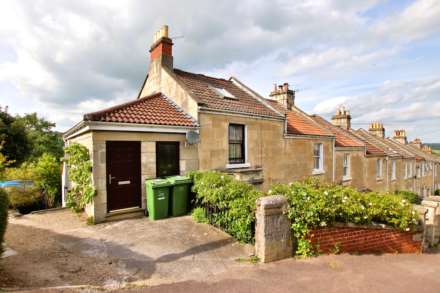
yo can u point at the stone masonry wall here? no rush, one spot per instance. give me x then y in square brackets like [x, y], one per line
[360, 239]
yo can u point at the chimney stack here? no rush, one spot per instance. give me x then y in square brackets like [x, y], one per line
[162, 48]
[417, 142]
[427, 149]
[377, 129]
[283, 95]
[342, 118]
[400, 136]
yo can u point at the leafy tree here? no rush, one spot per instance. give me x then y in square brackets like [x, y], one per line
[41, 137]
[48, 177]
[13, 138]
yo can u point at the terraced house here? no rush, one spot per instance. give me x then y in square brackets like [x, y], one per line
[183, 121]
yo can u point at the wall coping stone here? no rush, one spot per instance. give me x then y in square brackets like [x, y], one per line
[272, 202]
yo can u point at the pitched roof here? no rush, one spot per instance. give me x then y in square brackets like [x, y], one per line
[380, 143]
[298, 122]
[421, 155]
[224, 95]
[343, 137]
[403, 149]
[156, 109]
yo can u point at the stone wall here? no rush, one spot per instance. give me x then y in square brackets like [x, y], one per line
[281, 159]
[356, 178]
[96, 142]
[364, 239]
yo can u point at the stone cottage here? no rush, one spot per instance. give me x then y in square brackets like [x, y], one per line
[183, 121]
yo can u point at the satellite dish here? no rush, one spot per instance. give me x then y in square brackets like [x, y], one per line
[192, 137]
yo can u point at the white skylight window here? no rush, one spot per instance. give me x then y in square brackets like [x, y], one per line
[225, 93]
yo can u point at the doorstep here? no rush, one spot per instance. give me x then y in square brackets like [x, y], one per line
[124, 214]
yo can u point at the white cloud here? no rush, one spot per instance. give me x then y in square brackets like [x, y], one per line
[78, 56]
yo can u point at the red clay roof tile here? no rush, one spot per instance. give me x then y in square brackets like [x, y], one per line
[343, 137]
[298, 122]
[203, 89]
[156, 109]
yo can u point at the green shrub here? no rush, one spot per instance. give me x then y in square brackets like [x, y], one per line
[318, 205]
[47, 171]
[233, 202]
[198, 215]
[80, 173]
[23, 197]
[409, 196]
[437, 192]
[3, 216]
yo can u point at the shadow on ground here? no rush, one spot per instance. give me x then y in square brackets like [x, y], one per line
[46, 259]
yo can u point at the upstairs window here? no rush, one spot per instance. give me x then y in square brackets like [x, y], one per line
[318, 160]
[393, 170]
[236, 144]
[378, 168]
[346, 166]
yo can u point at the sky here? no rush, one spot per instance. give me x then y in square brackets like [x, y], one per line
[379, 59]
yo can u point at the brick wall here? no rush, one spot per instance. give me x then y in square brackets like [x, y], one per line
[361, 239]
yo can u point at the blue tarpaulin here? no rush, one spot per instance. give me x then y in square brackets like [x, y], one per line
[16, 183]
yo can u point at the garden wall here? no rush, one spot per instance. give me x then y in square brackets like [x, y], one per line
[343, 238]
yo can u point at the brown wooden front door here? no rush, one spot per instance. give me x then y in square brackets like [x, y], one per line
[123, 174]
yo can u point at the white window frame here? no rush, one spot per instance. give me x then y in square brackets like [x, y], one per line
[346, 167]
[379, 169]
[246, 164]
[320, 170]
[393, 170]
[406, 170]
[411, 167]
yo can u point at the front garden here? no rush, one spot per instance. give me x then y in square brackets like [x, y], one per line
[230, 205]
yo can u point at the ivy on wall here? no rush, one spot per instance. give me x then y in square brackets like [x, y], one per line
[79, 165]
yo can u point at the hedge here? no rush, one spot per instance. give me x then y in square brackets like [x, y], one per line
[313, 204]
[3, 216]
[231, 203]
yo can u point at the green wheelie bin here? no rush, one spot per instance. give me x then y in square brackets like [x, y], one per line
[158, 196]
[179, 195]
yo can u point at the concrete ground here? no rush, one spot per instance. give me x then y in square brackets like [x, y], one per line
[57, 248]
[177, 255]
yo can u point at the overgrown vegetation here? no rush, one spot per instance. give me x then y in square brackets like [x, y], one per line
[409, 196]
[313, 204]
[231, 203]
[3, 216]
[437, 192]
[45, 191]
[199, 216]
[80, 173]
[30, 150]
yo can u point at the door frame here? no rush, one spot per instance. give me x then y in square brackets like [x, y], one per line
[107, 169]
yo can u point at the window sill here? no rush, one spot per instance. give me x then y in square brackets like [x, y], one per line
[379, 179]
[346, 178]
[237, 166]
[318, 172]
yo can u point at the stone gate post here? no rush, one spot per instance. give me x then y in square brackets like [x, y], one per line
[273, 239]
